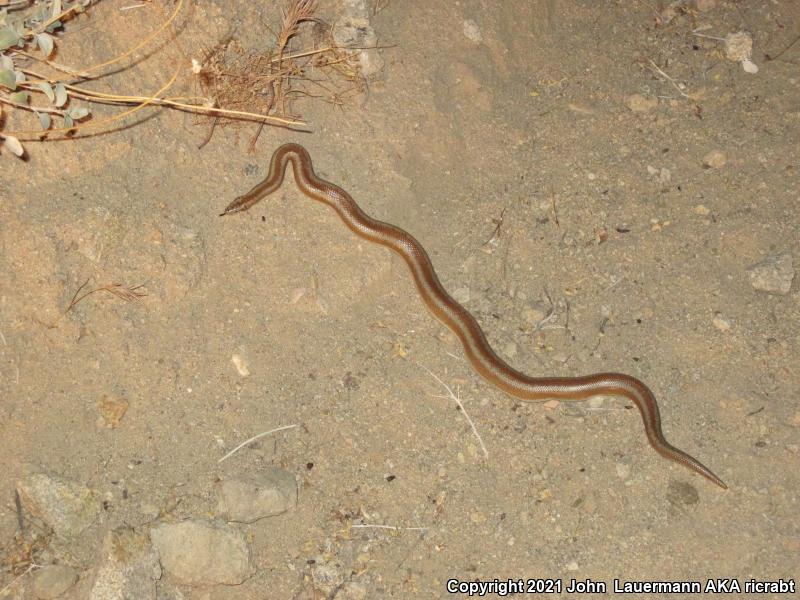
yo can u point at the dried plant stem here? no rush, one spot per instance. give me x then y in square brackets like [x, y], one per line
[253, 439]
[57, 66]
[128, 294]
[43, 109]
[37, 135]
[175, 103]
[457, 400]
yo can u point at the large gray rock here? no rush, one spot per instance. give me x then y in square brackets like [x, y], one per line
[200, 552]
[65, 506]
[269, 493]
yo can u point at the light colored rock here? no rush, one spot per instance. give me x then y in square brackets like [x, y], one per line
[269, 493]
[130, 567]
[112, 409]
[52, 580]
[773, 274]
[326, 578]
[462, 295]
[351, 591]
[356, 32]
[65, 506]
[199, 552]
[510, 350]
[738, 46]
[472, 31]
[721, 323]
[641, 104]
[715, 159]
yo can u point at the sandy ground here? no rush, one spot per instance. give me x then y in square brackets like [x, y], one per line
[517, 161]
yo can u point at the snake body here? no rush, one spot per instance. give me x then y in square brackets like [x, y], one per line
[477, 349]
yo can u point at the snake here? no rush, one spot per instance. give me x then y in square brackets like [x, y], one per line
[458, 319]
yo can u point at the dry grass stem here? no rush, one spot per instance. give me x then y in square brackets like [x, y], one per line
[128, 294]
[457, 400]
[253, 439]
[391, 527]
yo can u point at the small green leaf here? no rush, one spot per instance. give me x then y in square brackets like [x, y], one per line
[48, 90]
[61, 94]
[12, 143]
[78, 112]
[8, 38]
[45, 43]
[53, 26]
[8, 79]
[6, 62]
[44, 119]
[68, 122]
[20, 97]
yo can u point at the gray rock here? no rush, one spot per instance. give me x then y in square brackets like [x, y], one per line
[200, 552]
[271, 492]
[351, 591]
[773, 274]
[130, 568]
[67, 507]
[326, 578]
[356, 32]
[52, 580]
[641, 104]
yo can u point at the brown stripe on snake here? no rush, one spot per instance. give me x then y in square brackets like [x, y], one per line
[456, 317]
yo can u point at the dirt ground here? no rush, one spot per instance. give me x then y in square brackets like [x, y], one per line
[549, 155]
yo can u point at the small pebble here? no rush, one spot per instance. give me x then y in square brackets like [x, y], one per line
[462, 295]
[572, 566]
[510, 350]
[596, 401]
[326, 578]
[701, 210]
[721, 322]
[112, 409]
[533, 315]
[773, 275]
[715, 159]
[477, 517]
[240, 363]
[472, 31]
[739, 48]
[623, 470]
[641, 104]
[351, 591]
